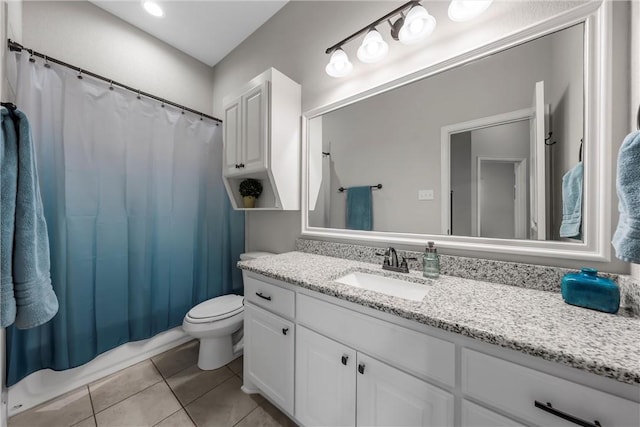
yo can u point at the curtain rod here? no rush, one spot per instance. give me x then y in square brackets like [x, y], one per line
[17, 47]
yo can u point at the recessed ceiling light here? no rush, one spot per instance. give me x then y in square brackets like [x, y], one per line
[153, 8]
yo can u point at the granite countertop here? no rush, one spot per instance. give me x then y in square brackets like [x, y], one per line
[532, 321]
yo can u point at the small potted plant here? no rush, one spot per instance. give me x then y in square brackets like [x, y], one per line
[250, 190]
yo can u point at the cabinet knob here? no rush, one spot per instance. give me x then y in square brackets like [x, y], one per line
[344, 359]
[361, 368]
[285, 330]
[241, 165]
[237, 166]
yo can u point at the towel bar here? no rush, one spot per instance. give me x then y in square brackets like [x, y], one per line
[378, 186]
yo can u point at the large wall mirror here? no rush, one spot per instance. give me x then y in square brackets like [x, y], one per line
[475, 155]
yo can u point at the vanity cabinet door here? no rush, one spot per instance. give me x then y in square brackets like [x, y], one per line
[325, 381]
[269, 346]
[389, 397]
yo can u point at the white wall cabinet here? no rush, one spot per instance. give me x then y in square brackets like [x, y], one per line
[261, 133]
[355, 367]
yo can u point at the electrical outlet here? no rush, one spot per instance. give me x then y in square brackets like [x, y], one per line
[425, 194]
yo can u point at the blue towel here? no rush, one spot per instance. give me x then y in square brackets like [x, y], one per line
[572, 202]
[8, 187]
[359, 208]
[626, 239]
[35, 301]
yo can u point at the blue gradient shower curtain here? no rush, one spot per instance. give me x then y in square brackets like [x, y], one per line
[140, 226]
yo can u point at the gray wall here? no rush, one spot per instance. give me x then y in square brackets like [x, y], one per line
[86, 36]
[294, 40]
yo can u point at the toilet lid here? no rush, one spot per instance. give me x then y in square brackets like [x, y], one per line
[217, 308]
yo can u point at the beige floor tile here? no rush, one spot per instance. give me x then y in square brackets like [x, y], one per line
[143, 409]
[122, 384]
[179, 419]
[191, 383]
[225, 405]
[266, 415]
[63, 411]
[173, 361]
[236, 366]
[89, 422]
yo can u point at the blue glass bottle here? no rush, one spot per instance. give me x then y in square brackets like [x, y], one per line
[587, 289]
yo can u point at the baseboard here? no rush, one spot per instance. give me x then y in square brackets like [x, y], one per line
[46, 384]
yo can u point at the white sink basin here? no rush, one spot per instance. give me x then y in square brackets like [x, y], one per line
[385, 285]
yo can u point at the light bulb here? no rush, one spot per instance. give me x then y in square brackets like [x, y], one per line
[153, 8]
[339, 64]
[465, 10]
[418, 25]
[373, 48]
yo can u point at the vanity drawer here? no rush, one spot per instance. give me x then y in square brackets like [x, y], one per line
[416, 353]
[271, 297]
[514, 389]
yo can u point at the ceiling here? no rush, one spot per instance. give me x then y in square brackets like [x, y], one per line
[205, 30]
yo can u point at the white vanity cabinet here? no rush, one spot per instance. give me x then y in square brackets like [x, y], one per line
[338, 386]
[269, 340]
[354, 366]
[261, 135]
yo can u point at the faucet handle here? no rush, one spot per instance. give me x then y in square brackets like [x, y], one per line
[405, 259]
[386, 257]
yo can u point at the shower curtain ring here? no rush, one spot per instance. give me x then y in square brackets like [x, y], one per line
[162, 104]
[31, 58]
[200, 116]
[110, 84]
[138, 94]
[80, 73]
[46, 62]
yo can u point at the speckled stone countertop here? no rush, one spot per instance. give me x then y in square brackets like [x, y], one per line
[532, 321]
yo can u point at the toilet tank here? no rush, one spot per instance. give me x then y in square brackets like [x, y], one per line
[254, 255]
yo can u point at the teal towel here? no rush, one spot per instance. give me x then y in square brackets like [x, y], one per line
[35, 301]
[8, 188]
[359, 208]
[626, 239]
[572, 202]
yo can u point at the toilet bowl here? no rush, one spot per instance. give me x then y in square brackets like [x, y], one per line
[217, 323]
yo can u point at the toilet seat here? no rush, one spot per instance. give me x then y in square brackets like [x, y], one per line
[216, 309]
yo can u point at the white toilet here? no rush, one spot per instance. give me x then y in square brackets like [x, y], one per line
[217, 323]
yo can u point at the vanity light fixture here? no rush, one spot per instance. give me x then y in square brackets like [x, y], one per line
[409, 29]
[339, 64]
[153, 8]
[373, 47]
[418, 25]
[465, 10]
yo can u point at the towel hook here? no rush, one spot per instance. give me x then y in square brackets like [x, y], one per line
[547, 139]
[581, 145]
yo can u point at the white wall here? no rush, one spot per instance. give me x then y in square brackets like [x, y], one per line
[84, 35]
[295, 39]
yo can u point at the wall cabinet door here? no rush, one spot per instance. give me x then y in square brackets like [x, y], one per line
[255, 128]
[325, 381]
[246, 131]
[387, 396]
[232, 137]
[269, 346]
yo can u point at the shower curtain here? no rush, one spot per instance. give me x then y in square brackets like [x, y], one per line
[140, 226]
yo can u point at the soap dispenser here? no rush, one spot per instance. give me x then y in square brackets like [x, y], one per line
[431, 262]
[587, 289]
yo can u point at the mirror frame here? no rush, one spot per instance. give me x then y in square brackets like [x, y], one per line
[596, 17]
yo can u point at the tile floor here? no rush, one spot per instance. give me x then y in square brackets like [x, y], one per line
[167, 390]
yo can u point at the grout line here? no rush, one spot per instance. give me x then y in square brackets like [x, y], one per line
[93, 410]
[122, 400]
[170, 415]
[250, 412]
